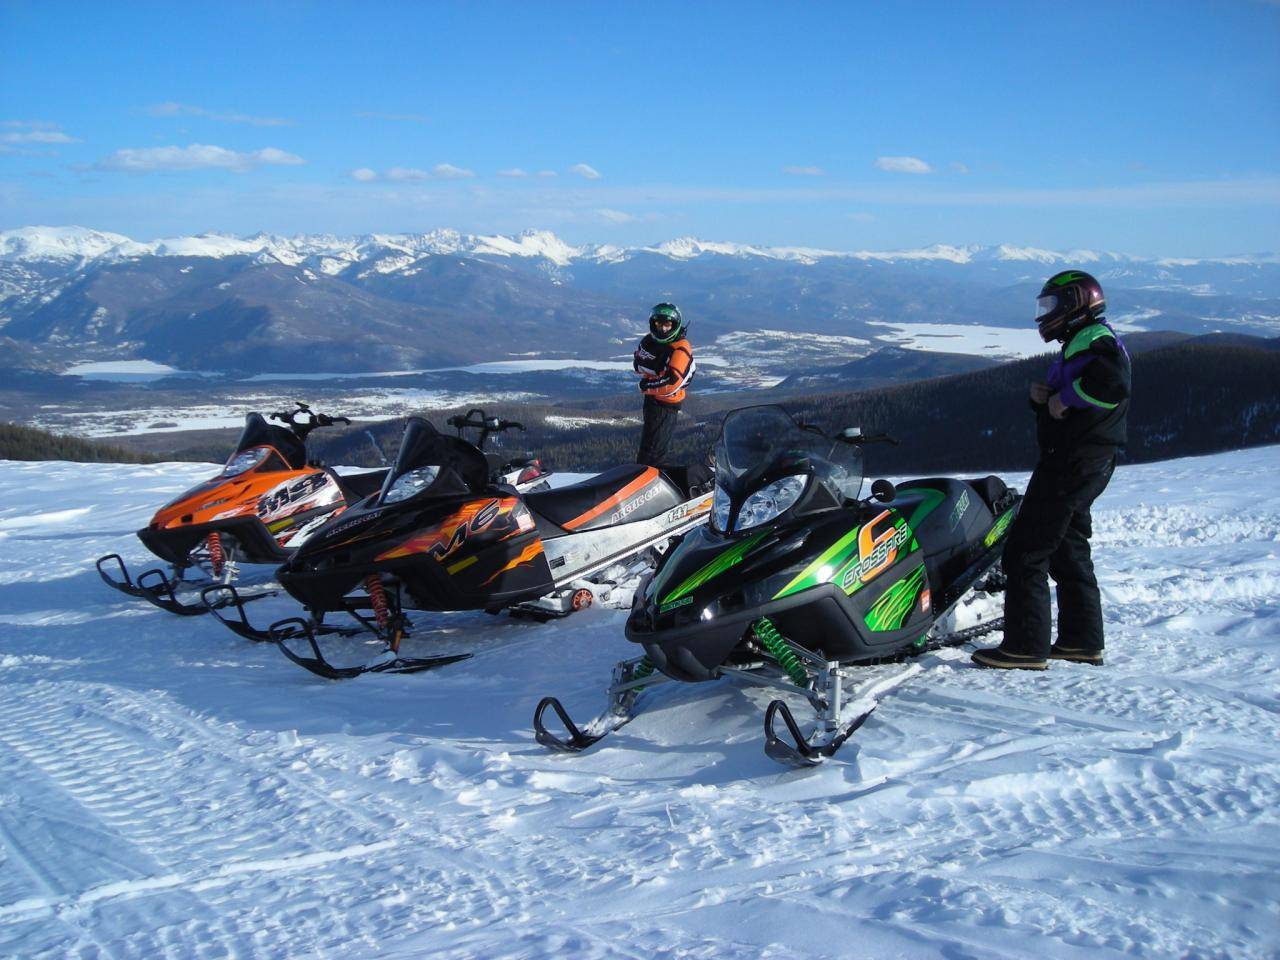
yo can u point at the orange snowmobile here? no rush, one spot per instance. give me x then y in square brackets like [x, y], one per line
[266, 501]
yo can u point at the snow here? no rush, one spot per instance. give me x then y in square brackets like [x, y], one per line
[121, 370]
[577, 423]
[395, 253]
[169, 790]
[972, 339]
[161, 418]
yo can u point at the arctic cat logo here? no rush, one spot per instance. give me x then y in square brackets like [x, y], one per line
[631, 506]
[876, 552]
[354, 522]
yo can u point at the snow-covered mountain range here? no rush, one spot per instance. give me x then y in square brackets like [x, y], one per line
[82, 245]
[408, 301]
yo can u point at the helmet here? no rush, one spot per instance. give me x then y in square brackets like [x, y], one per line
[667, 313]
[1068, 301]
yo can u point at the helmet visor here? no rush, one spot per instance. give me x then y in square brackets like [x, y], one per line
[1046, 304]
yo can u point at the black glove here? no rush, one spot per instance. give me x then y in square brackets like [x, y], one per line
[646, 385]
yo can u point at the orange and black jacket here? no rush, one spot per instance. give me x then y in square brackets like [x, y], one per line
[665, 369]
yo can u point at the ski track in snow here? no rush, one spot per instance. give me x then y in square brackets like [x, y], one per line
[169, 790]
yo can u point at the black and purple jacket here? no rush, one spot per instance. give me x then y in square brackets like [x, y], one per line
[1091, 376]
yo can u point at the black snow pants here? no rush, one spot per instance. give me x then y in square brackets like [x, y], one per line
[655, 436]
[1050, 538]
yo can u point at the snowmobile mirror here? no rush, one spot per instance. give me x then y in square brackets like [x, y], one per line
[884, 491]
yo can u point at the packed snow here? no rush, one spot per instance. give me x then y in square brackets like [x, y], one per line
[169, 790]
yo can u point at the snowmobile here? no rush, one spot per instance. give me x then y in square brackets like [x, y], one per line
[798, 582]
[266, 500]
[441, 535]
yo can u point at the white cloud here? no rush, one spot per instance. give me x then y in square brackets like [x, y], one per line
[37, 136]
[959, 168]
[805, 171]
[407, 173]
[545, 174]
[197, 156]
[513, 172]
[585, 171]
[615, 216]
[171, 109]
[447, 171]
[903, 165]
[364, 174]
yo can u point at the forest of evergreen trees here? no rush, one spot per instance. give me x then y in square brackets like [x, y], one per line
[29, 443]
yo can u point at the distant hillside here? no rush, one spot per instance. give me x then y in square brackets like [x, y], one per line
[28, 443]
[886, 366]
[1194, 397]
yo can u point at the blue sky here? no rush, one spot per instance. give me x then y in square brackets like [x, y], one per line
[1150, 128]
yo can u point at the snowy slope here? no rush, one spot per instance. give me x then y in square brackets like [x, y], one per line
[168, 790]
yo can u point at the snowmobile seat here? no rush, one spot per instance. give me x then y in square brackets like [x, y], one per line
[948, 515]
[994, 493]
[629, 492]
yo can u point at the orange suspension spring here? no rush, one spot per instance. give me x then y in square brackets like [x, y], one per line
[217, 559]
[378, 597]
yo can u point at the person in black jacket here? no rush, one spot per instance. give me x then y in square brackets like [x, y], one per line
[1080, 423]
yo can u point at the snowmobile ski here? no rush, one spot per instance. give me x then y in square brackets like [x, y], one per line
[124, 583]
[295, 628]
[630, 677]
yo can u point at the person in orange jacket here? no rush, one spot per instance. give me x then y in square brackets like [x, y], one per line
[664, 361]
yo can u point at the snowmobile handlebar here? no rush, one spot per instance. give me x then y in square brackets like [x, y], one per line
[303, 420]
[853, 435]
[480, 420]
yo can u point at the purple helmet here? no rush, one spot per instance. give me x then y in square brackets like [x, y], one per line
[1067, 302]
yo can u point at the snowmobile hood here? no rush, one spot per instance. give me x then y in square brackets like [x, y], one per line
[854, 582]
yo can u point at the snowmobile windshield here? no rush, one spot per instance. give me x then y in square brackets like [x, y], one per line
[251, 449]
[765, 462]
[432, 463]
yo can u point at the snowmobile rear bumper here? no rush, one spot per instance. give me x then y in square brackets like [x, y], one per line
[174, 544]
[694, 652]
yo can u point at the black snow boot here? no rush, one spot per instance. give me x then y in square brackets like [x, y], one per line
[1075, 654]
[1002, 659]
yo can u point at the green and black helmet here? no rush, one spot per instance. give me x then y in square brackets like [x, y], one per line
[666, 313]
[1067, 302]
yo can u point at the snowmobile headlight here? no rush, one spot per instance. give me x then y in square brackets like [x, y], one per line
[772, 501]
[410, 483]
[244, 460]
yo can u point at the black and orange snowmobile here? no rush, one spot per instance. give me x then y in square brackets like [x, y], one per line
[442, 535]
[265, 502]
